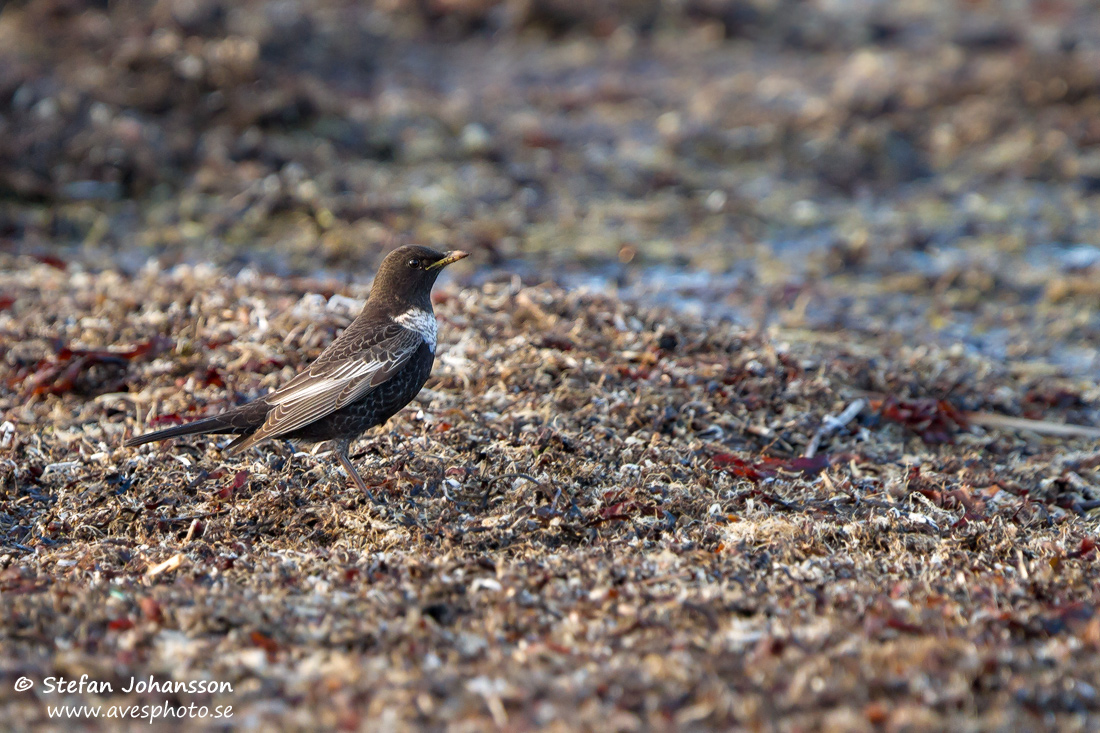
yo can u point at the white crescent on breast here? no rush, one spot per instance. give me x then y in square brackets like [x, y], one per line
[421, 321]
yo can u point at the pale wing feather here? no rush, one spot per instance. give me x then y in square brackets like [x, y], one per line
[323, 390]
[318, 382]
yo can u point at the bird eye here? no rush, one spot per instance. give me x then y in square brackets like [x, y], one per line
[414, 264]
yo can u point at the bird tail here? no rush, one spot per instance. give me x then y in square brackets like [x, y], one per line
[215, 424]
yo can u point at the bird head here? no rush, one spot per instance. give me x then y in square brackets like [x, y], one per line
[409, 272]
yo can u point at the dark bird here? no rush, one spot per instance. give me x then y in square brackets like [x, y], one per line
[376, 367]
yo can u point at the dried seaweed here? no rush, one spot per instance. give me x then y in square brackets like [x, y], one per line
[543, 510]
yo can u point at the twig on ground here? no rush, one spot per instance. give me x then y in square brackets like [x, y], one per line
[831, 425]
[1042, 427]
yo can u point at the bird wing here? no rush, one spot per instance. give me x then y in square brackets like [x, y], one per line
[344, 374]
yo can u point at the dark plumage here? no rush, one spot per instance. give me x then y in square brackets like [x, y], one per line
[376, 367]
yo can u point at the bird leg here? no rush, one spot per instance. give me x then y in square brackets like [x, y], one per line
[349, 467]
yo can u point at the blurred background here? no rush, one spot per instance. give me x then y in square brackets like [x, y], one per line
[923, 169]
